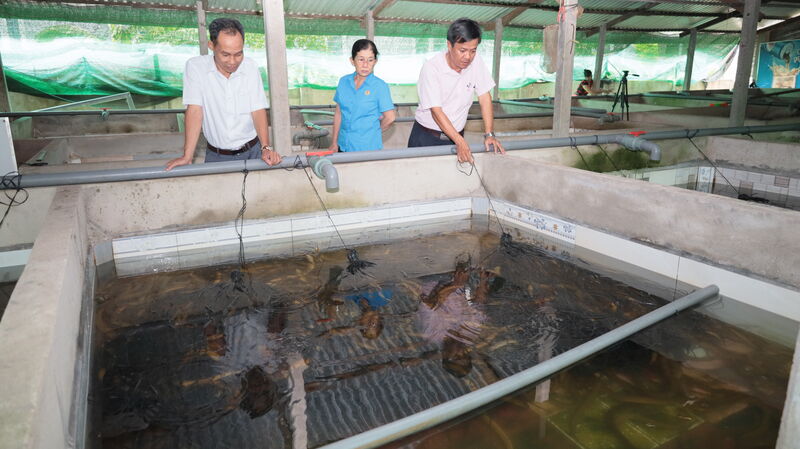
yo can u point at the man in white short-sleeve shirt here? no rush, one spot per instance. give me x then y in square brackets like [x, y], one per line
[224, 96]
[446, 87]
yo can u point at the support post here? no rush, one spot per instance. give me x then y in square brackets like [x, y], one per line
[745, 62]
[598, 59]
[275, 37]
[564, 58]
[687, 76]
[5, 104]
[498, 49]
[370, 21]
[202, 33]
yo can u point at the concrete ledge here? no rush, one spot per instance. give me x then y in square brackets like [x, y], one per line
[748, 237]
[779, 157]
[39, 332]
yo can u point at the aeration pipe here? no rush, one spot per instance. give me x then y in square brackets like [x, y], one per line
[550, 106]
[140, 173]
[469, 117]
[484, 396]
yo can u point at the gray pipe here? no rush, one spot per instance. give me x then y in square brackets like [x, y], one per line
[479, 398]
[469, 117]
[639, 144]
[309, 134]
[324, 169]
[550, 106]
[139, 173]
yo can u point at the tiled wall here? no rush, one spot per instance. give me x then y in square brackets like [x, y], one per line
[782, 191]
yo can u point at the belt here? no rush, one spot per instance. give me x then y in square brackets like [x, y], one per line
[435, 132]
[240, 150]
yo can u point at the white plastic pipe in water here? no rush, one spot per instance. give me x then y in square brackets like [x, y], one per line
[479, 398]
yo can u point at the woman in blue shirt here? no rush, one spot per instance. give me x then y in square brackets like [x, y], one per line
[364, 105]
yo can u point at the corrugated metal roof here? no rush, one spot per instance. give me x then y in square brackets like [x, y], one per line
[611, 4]
[660, 22]
[679, 7]
[595, 20]
[535, 17]
[401, 11]
[442, 12]
[326, 7]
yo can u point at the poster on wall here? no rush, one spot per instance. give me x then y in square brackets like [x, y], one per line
[779, 64]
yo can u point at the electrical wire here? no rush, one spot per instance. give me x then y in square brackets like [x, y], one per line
[716, 169]
[11, 181]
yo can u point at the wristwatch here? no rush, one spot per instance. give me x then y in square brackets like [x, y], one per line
[266, 147]
[489, 134]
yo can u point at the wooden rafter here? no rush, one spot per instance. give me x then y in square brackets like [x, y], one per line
[514, 13]
[381, 6]
[713, 22]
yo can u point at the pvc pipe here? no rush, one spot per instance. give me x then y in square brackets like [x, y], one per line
[479, 398]
[140, 173]
[313, 111]
[324, 169]
[550, 106]
[469, 117]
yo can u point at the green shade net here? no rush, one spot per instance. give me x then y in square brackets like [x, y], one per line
[96, 58]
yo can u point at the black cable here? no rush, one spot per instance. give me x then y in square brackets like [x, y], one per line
[12, 181]
[238, 224]
[610, 160]
[486, 192]
[716, 169]
[574, 144]
[310, 181]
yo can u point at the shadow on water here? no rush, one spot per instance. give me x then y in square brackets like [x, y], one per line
[301, 352]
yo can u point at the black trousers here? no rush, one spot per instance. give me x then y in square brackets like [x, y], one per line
[420, 137]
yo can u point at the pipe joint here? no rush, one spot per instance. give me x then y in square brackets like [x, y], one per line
[640, 144]
[324, 169]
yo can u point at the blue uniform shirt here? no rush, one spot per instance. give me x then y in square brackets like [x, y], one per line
[361, 112]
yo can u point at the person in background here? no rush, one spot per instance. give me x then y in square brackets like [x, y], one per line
[447, 84]
[224, 96]
[364, 107]
[586, 85]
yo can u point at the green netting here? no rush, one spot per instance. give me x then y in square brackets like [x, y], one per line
[99, 59]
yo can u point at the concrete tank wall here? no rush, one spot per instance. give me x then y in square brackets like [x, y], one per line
[741, 235]
[40, 330]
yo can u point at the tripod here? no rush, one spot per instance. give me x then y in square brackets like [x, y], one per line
[621, 96]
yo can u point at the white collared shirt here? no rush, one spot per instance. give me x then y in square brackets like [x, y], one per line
[441, 86]
[227, 102]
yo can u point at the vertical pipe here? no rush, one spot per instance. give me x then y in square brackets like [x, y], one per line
[687, 77]
[498, 50]
[202, 34]
[745, 62]
[370, 21]
[598, 59]
[275, 37]
[568, 15]
[5, 104]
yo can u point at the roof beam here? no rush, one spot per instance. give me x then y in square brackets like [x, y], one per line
[713, 22]
[778, 26]
[622, 18]
[508, 17]
[383, 5]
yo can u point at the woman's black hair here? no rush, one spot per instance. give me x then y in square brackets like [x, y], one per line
[364, 44]
[229, 26]
[587, 73]
[463, 30]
